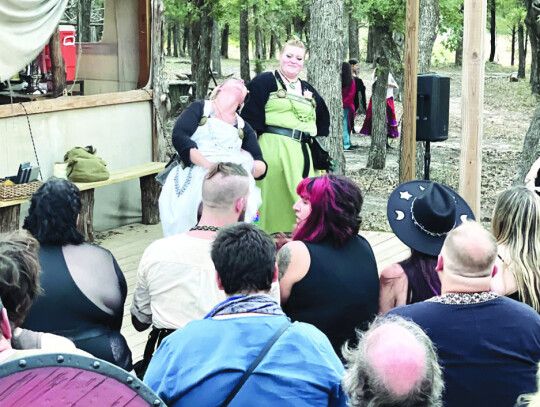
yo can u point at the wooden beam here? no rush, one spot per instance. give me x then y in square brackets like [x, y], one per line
[144, 15]
[472, 102]
[74, 102]
[408, 152]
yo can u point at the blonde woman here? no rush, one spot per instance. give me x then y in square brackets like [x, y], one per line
[516, 226]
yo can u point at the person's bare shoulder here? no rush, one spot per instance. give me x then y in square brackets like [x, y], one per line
[394, 271]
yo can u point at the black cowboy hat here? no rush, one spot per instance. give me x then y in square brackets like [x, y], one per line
[421, 213]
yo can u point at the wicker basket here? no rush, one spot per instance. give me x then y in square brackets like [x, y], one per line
[18, 191]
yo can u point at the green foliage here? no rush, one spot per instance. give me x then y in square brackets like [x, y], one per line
[451, 22]
[388, 13]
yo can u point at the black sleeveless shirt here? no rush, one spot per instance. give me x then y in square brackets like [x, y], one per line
[63, 309]
[340, 291]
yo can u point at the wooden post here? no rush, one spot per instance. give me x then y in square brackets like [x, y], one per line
[150, 191]
[408, 153]
[58, 66]
[85, 222]
[158, 84]
[472, 102]
[9, 218]
[144, 42]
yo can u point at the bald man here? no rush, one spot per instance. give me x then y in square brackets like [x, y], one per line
[176, 280]
[488, 345]
[394, 364]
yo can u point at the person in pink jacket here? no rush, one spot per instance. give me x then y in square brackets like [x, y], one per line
[348, 90]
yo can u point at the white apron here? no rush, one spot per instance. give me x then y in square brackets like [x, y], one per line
[181, 195]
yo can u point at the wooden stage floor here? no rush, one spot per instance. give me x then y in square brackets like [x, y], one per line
[129, 242]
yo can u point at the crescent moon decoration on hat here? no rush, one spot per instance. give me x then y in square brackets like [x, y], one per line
[421, 213]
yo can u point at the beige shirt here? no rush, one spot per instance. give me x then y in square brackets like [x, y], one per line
[176, 282]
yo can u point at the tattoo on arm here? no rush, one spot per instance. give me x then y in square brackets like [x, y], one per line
[284, 259]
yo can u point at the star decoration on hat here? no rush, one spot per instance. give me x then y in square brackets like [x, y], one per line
[405, 195]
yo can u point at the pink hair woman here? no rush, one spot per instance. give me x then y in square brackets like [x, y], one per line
[328, 272]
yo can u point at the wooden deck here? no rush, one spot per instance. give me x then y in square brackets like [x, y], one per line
[128, 243]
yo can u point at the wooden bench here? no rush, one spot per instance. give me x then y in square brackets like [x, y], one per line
[150, 189]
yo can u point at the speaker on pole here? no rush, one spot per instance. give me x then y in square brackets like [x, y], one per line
[432, 107]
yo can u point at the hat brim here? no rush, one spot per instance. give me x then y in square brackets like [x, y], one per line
[399, 216]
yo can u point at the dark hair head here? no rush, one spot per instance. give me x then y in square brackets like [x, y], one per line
[346, 75]
[52, 217]
[336, 202]
[19, 274]
[424, 281]
[353, 61]
[244, 257]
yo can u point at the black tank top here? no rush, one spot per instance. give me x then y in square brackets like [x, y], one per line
[340, 291]
[63, 309]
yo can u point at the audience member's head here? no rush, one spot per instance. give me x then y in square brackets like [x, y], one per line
[244, 258]
[516, 225]
[467, 259]
[394, 364]
[52, 217]
[329, 207]
[19, 274]
[225, 190]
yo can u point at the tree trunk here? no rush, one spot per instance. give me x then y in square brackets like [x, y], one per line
[370, 46]
[427, 33]
[324, 70]
[244, 45]
[377, 151]
[225, 42]
[158, 85]
[459, 50]
[521, 52]
[85, 13]
[58, 66]
[533, 24]
[169, 37]
[272, 46]
[492, 30]
[175, 39]
[216, 51]
[531, 149]
[201, 45]
[354, 48]
[186, 41]
[513, 52]
[264, 46]
[345, 23]
[258, 51]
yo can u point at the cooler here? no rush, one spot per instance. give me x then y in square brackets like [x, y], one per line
[69, 51]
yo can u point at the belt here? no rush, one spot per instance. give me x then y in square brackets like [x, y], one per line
[301, 136]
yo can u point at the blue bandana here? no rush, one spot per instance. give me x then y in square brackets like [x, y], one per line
[240, 304]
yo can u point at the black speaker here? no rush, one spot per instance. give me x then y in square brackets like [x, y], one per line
[432, 107]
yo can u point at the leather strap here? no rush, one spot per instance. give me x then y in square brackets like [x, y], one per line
[256, 362]
[302, 137]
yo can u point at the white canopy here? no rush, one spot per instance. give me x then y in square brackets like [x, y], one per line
[25, 27]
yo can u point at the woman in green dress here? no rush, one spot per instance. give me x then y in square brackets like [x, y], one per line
[286, 112]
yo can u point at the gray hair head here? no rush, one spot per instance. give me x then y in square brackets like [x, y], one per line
[394, 364]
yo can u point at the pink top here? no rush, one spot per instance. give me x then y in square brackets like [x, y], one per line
[347, 94]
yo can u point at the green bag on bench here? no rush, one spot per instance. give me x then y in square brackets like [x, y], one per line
[84, 166]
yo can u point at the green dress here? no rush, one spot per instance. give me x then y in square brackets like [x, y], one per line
[284, 158]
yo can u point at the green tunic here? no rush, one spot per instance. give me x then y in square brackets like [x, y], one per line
[285, 160]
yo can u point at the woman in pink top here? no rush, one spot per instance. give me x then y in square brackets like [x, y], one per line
[348, 90]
